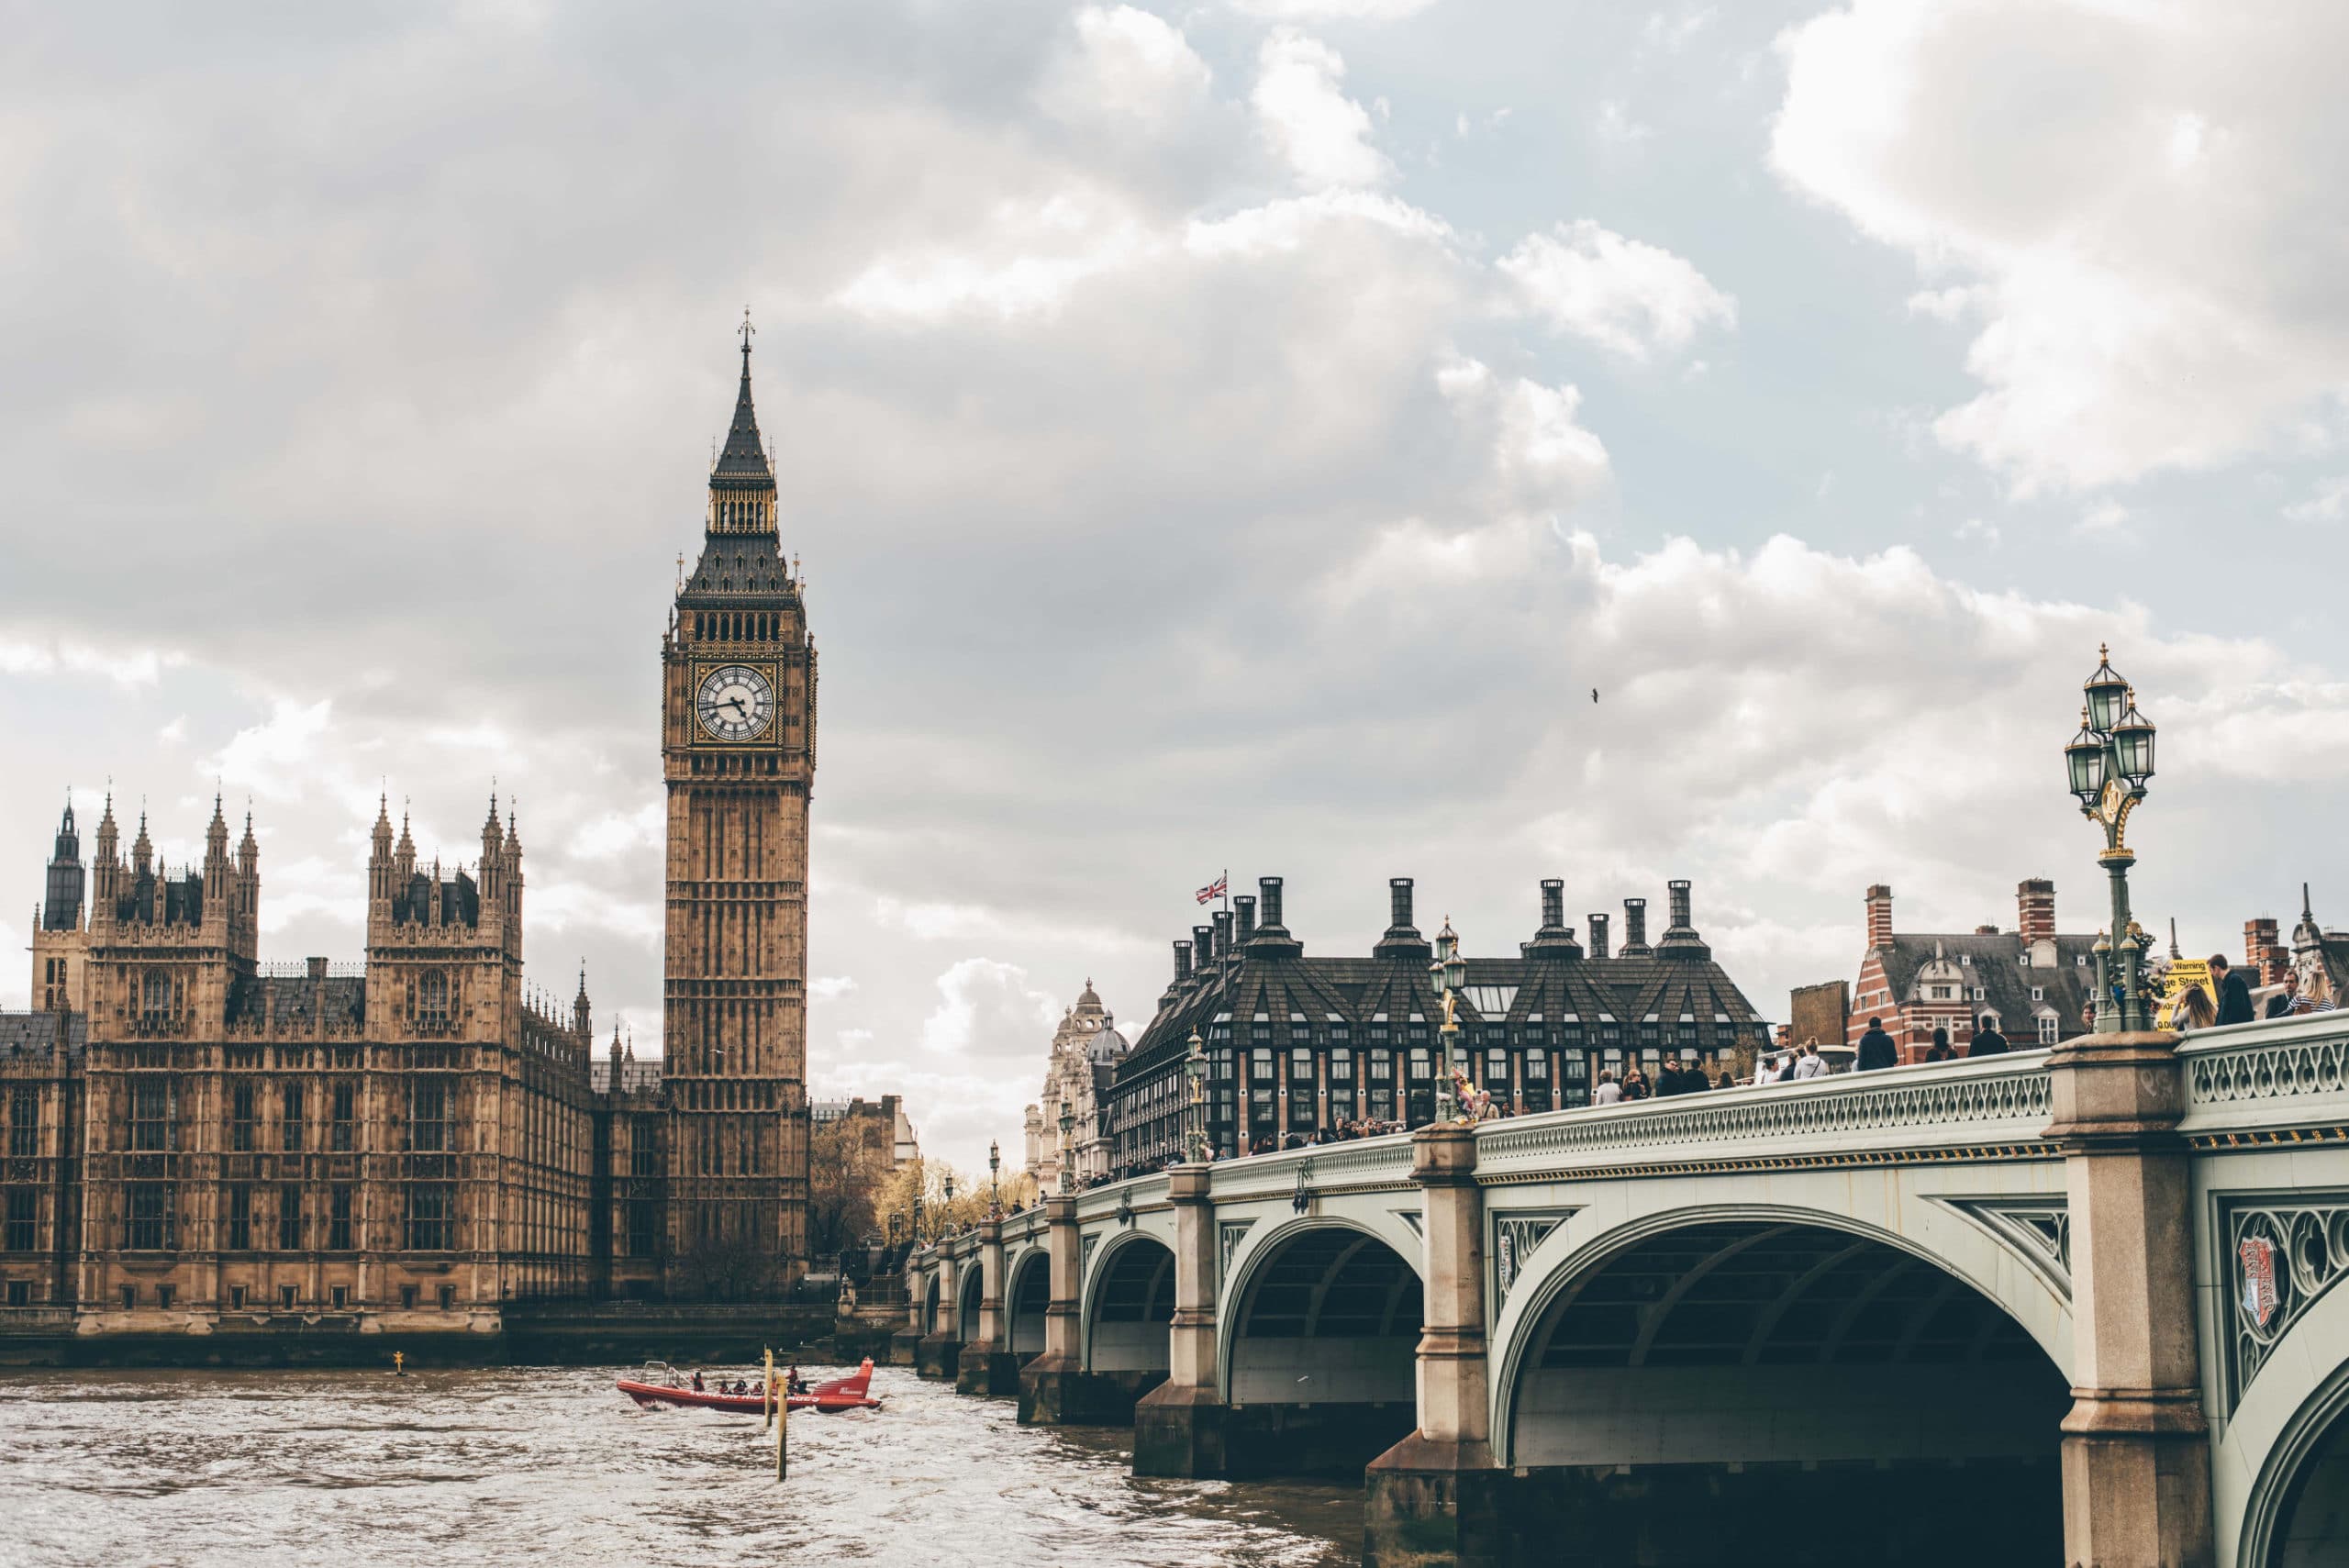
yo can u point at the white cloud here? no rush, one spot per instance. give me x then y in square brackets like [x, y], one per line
[1976, 529]
[1331, 10]
[26, 653]
[1125, 64]
[614, 833]
[2328, 504]
[1631, 298]
[1672, 33]
[279, 758]
[1944, 305]
[1613, 125]
[2131, 195]
[2106, 517]
[830, 987]
[1025, 259]
[987, 1010]
[1302, 110]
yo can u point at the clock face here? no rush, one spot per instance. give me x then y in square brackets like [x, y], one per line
[734, 702]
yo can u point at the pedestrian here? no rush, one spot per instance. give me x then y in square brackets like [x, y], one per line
[1812, 1064]
[1636, 1083]
[1670, 1080]
[2286, 1002]
[2193, 1011]
[1988, 1040]
[1609, 1093]
[1876, 1050]
[2234, 993]
[1940, 1049]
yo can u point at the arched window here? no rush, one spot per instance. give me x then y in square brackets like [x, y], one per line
[432, 998]
[155, 996]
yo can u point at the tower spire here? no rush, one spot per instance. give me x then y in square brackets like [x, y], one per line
[742, 482]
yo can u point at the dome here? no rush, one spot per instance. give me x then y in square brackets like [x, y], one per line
[1107, 1047]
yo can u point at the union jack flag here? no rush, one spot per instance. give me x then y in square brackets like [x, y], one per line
[1215, 889]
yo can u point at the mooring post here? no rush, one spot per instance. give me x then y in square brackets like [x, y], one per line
[766, 1394]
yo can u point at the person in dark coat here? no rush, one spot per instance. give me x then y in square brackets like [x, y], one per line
[2234, 993]
[1988, 1040]
[1877, 1048]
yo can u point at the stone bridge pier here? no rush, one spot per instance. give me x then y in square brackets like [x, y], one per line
[2070, 1306]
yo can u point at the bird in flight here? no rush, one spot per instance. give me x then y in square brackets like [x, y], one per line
[1593, 694]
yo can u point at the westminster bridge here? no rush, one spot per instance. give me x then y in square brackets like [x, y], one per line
[1963, 1311]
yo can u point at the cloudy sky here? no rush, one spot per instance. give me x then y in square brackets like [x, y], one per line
[1231, 434]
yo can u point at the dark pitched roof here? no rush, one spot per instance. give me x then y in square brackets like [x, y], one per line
[735, 566]
[1545, 985]
[1994, 962]
[296, 1000]
[35, 1034]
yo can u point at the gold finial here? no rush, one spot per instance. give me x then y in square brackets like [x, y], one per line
[746, 330]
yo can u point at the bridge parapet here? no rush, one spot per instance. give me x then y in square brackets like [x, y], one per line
[1936, 1111]
[2255, 1083]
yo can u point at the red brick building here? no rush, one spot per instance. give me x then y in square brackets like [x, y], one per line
[2034, 980]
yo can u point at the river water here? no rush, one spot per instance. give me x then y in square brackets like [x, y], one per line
[531, 1465]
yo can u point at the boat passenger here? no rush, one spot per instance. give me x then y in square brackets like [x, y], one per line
[697, 1389]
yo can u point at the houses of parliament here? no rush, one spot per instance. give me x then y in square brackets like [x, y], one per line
[199, 1142]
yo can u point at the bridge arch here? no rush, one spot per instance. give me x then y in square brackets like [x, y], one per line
[1316, 1347]
[1027, 1294]
[933, 1316]
[971, 1288]
[1735, 1358]
[1129, 1302]
[2282, 1468]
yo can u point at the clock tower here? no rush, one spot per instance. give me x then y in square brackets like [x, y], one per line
[738, 747]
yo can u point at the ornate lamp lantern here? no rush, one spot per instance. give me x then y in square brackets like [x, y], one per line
[1068, 1128]
[1194, 1070]
[1450, 972]
[2107, 765]
[994, 1183]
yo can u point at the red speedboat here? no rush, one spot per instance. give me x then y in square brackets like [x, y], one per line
[662, 1385]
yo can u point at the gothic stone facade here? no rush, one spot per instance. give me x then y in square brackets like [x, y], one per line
[738, 748]
[197, 1141]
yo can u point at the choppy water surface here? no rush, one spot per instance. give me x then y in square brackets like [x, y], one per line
[553, 1465]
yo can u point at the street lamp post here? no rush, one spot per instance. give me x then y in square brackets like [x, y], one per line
[1451, 973]
[995, 1179]
[1195, 1068]
[1068, 1126]
[2108, 762]
[919, 1238]
[950, 1201]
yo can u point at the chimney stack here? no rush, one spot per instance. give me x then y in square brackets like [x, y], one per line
[2035, 909]
[1555, 938]
[1247, 908]
[1203, 941]
[2264, 951]
[1222, 933]
[1270, 889]
[1598, 934]
[1402, 939]
[1182, 962]
[1680, 938]
[1879, 915]
[1635, 928]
